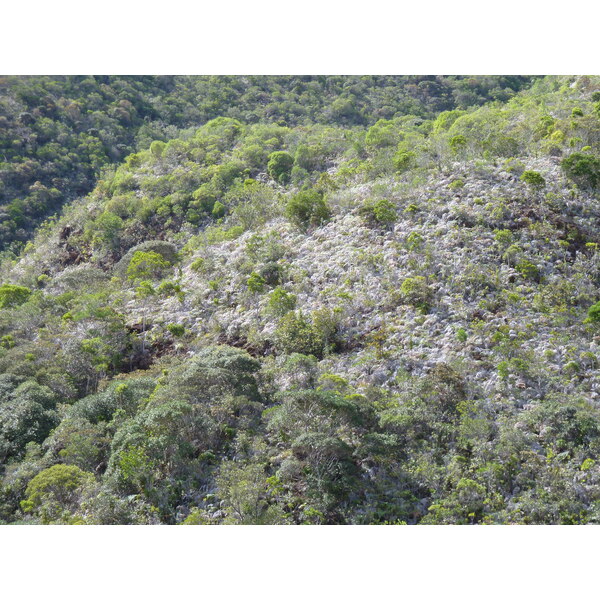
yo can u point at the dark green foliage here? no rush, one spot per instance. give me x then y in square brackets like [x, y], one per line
[583, 168]
[26, 415]
[280, 166]
[125, 397]
[594, 313]
[378, 212]
[308, 208]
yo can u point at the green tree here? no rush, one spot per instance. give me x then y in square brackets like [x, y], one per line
[246, 492]
[280, 166]
[281, 302]
[378, 212]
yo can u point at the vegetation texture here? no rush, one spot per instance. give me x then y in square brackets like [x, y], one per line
[300, 300]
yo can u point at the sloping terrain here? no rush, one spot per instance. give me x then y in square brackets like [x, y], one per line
[256, 323]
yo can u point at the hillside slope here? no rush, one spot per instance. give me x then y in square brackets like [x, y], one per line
[255, 323]
[57, 134]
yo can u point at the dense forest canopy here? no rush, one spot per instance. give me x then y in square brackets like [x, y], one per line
[269, 300]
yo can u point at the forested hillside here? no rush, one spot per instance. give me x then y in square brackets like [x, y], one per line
[57, 133]
[300, 300]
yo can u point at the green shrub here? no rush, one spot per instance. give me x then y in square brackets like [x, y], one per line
[416, 291]
[296, 334]
[528, 270]
[280, 166]
[457, 184]
[378, 212]
[166, 249]
[170, 288]
[404, 160]
[533, 179]
[54, 490]
[281, 302]
[176, 329]
[219, 210]
[414, 240]
[582, 168]
[106, 229]
[457, 143]
[198, 265]
[255, 282]
[157, 148]
[594, 313]
[146, 265]
[308, 208]
[13, 295]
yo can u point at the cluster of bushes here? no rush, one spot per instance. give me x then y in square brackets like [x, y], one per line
[147, 449]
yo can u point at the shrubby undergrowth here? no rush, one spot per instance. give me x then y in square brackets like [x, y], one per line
[327, 311]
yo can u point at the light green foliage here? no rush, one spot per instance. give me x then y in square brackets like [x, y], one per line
[176, 329]
[170, 288]
[594, 313]
[414, 240]
[533, 179]
[255, 283]
[13, 295]
[457, 143]
[528, 270]
[416, 291]
[106, 230]
[157, 148]
[146, 265]
[218, 210]
[281, 302]
[55, 491]
[457, 184]
[198, 265]
[404, 160]
[297, 334]
[247, 492]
